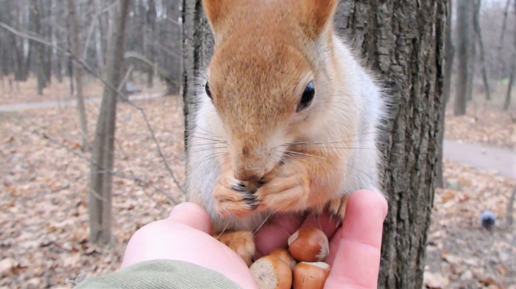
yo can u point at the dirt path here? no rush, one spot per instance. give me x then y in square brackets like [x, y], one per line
[480, 157]
[48, 104]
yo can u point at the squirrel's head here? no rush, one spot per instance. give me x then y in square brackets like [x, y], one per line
[266, 78]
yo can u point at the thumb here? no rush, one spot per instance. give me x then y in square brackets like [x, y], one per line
[192, 215]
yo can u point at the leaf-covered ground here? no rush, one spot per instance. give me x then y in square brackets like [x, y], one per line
[484, 124]
[43, 197]
[43, 190]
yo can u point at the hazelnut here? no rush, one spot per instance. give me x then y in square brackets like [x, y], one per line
[311, 275]
[308, 244]
[284, 255]
[270, 272]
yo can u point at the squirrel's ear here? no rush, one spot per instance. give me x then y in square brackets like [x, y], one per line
[317, 14]
[214, 9]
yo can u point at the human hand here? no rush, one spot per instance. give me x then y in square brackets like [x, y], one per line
[355, 247]
[185, 235]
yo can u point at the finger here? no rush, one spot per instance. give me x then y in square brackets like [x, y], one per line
[324, 222]
[275, 233]
[192, 215]
[357, 260]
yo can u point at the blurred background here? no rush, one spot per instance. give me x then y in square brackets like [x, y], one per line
[60, 161]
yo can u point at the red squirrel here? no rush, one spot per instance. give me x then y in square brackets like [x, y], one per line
[287, 121]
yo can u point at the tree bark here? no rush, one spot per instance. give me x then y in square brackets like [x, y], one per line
[478, 32]
[463, 32]
[99, 207]
[98, 37]
[448, 74]
[450, 54]
[403, 41]
[508, 95]
[78, 73]
[510, 207]
[150, 28]
[46, 8]
[38, 47]
[472, 50]
[502, 37]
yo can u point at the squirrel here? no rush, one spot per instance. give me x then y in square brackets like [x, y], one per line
[288, 118]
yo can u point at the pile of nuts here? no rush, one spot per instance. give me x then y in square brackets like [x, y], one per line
[299, 267]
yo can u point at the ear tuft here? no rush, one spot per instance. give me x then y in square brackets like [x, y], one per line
[215, 10]
[317, 14]
[212, 10]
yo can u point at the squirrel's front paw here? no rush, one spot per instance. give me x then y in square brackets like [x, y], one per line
[233, 197]
[337, 208]
[241, 242]
[289, 190]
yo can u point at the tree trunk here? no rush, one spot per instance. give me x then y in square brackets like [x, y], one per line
[57, 59]
[78, 73]
[99, 207]
[510, 208]
[150, 28]
[463, 31]
[478, 36]
[500, 69]
[98, 37]
[508, 95]
[472, 51]
[408, 53]
[450, 54]
[47, 34]
[448, 74]
[39, 49]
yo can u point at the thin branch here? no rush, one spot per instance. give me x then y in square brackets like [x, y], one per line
[126, 77]
[90, 71]
[174, 21]
[504, 25]
[104, 10]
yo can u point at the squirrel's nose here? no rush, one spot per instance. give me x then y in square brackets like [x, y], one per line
[248, 176]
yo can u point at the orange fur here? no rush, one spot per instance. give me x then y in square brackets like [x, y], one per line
[266, 52]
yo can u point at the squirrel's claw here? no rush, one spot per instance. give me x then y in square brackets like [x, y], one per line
[337, 208]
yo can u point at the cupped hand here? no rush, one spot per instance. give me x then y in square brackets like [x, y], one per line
[354, 247]
[185, 236]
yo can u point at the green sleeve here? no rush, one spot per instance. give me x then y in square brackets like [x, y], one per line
[161, 274]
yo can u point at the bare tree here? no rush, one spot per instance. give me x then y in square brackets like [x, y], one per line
[464, 13]
[448, 73]
[39, 48]
[99, 207]
[478, 32]
[510, 207]
[504, 28]
[76, 50]
[508, 95]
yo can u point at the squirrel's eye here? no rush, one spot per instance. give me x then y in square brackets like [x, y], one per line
[308, 96]
[207, 88]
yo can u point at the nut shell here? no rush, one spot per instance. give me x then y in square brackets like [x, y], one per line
[309, 275]
[270, 272]
[309, 244]
[284, 255]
